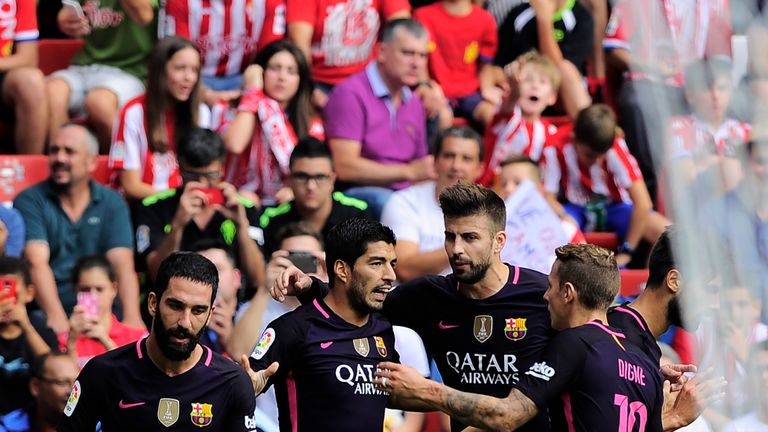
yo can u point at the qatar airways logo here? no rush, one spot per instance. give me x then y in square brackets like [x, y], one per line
[360, 377]
[474, 368]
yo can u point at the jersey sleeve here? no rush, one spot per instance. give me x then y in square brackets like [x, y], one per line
[241, 417]
[560, 365]
[279, 343]
[319, 289]
[84, 406]
[301, 11]
[176, 19]
[490, 41]
[26, 21]
[125, 153]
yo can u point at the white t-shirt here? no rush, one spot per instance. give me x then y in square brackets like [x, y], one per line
[748, 423]
[414, 215]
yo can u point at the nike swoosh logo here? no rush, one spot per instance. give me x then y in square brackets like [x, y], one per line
[124, 405]
[442, 326]
[325, 345]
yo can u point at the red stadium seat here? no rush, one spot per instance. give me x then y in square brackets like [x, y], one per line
[17, 172]
[632, 282]
[55, 54]
[608, 240]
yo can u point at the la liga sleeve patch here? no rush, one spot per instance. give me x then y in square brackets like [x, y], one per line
[267, 339]
[74, 397]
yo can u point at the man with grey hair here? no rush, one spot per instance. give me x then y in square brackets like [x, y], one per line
[68, 216]
[375, 126]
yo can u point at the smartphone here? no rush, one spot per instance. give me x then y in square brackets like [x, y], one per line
[305, 261]
[8, 289]
[75, 6]
[212, 196]
[89, 302]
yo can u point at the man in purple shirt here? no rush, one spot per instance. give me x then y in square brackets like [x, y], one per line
[376, 126]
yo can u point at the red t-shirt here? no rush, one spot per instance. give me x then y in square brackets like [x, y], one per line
[227, 32]
[18, 24]
[88, 348]
[457, 44]
[345, 32]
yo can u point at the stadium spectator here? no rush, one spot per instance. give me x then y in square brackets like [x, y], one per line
[338, 36]
[225, 50]
[204, 207]
[757, 419]
[143, 151]
[462, 44]
[68, 216]
[375, 126]
[93, 328]
[274, 113]
[598, 183]
[414, 213]
[22, 85]
[311, 179]
[22, 337]
[12, 232]
[109, 70]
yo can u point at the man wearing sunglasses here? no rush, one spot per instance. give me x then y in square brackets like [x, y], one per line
[205, 207]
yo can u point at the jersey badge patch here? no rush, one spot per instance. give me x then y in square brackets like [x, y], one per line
[202, 414]
[74, 397]
[380, 346]
[168, 411]
[267, 338]
[483, 327]
[515, 328]
[361, 346]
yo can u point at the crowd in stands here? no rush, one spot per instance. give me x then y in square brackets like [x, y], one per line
[245, 130]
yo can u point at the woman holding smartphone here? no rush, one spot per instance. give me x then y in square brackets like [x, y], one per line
[275, 111]
[93, 328]
[143, 152]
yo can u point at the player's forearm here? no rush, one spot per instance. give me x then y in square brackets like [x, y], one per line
[420, 264]
[486, 412]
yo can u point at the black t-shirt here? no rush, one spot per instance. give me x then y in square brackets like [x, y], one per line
[574, 29]
[603, 382]
[634, 327]
[327, 366]
[15, 360]
[125, 391]
[153, 223]
[343, 208]
[480, 346]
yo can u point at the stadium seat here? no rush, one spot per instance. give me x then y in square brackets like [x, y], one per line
[608, 240]
[55, 54]
[632, 282]
[17, 172]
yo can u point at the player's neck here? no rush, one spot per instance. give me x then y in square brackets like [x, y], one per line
[337, 301]
[495, 279]
[170, 367]
[647, 305]
[581, 316]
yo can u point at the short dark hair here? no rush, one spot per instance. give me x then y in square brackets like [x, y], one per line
[662, 259]
[462, 132]
[410, 25]
[595, 127]
[349, 240]
[297, 229]
[37, 367]
[200, 147]
[15, 266]
[702, 74]
[464, 199]
[186, 265]
[310, 147]
[90, 262]
[592, 271]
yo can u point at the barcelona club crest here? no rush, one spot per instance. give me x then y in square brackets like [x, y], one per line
[515, 328]
[380, 347]
[202, 414]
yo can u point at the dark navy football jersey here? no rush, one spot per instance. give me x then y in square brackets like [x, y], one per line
[327, 367]
[634, 327]
[604, 382]
[125, 391]
[480, 346]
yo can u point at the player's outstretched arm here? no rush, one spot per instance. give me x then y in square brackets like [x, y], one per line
[683, 407]
[258, 379]
[290, 281]
[486, 412]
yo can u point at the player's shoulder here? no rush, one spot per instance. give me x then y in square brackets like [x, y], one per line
[112, 360]
[523, 279]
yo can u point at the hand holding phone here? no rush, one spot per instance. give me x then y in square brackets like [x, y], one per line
[213, 196]
[8, 289]
[74, 6]
[304, 261]
[89, 302]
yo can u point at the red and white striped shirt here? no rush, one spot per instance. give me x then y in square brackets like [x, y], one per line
[18, 24]
[578, 184]
[511, 135]
[130, 147]
[227, 32]
[690, 137]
